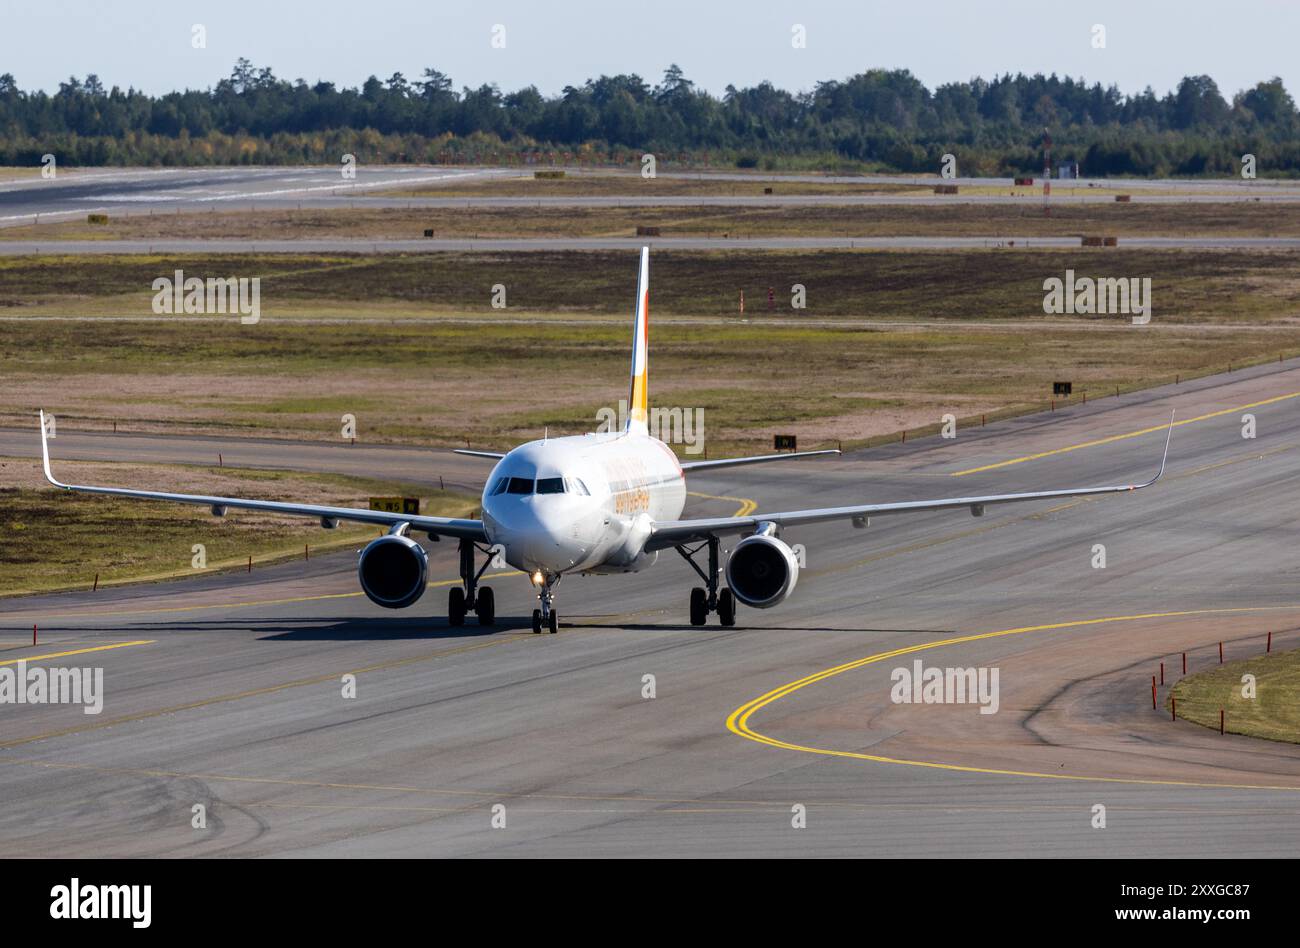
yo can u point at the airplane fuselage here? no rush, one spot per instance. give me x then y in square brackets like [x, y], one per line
[582, 504]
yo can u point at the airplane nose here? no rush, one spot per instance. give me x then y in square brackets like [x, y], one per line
[535, 537]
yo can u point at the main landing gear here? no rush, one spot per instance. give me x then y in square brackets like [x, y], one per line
[704, 601]
[469, 596]
[547, 616]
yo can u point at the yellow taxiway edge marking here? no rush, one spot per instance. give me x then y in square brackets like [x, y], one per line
[746, 505]
[738, 720]
[1121, 437]
[77, 651]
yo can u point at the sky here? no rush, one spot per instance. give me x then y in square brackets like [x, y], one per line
[148, 43]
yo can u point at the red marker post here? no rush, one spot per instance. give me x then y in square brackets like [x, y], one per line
[1153, 692]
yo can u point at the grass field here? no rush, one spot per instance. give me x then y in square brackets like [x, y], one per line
[412, 348]
[1274, 712]
[1068, 219]
[961, 285]
[493, 386]
[78, 536]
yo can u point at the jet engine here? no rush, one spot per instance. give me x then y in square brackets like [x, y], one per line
[762, 571]
[393, 571]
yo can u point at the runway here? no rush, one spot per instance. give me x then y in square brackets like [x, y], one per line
[128, 191]
[142, 190]
[226, 690]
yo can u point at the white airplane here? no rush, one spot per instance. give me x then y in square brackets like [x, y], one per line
[594, 503]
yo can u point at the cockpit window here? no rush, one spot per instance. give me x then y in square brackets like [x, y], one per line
[544, 485]
[550, 485]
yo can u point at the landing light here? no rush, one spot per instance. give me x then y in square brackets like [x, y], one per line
[536, 578]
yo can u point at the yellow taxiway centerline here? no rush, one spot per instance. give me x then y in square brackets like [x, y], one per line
[1121, 437]
[738, 720]
[77, 651]
[747, 506]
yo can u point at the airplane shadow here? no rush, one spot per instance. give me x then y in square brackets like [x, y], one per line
[741, 627]
[435, 628]
[336, 630]
[384, 630]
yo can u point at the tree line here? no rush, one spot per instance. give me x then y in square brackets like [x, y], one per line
[884, 120]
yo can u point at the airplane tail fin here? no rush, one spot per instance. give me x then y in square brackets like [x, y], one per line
[638, 402]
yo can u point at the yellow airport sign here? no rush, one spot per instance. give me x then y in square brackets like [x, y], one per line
[399, 505]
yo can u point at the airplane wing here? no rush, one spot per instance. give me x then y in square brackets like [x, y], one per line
[440, 526]
[669, 533]
[478, 454]
[758, 459]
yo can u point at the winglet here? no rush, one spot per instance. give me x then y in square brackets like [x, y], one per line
[45, 454]
[1169, 436]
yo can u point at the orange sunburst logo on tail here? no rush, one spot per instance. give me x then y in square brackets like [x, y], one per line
[638, 401]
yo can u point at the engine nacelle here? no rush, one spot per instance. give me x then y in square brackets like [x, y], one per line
[393, 571]
[762, 571]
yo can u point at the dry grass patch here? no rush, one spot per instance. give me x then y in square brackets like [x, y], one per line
[1068, 219]
[1274, 712]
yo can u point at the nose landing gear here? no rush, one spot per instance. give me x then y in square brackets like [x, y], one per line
[704, 601]
[546, 615]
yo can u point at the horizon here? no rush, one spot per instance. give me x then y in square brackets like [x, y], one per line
[651, 80]
[1154, 45]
